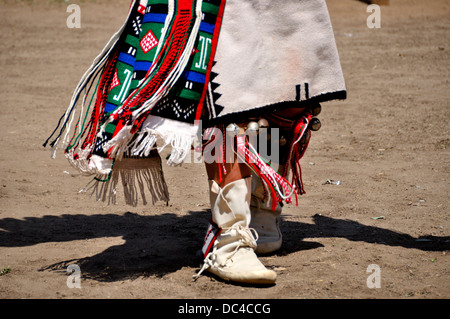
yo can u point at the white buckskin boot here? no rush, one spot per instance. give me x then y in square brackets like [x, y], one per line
[264, 220]
[230, 244]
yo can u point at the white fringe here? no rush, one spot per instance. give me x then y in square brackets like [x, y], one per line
[139, 176]
[178, 135]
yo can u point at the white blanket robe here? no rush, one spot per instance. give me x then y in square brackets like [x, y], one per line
[272, 51]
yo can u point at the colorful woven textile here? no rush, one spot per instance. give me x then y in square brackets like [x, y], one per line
[149, 82]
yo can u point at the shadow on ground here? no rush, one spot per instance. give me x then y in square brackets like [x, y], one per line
[161, 244]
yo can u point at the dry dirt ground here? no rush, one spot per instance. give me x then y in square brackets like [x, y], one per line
[388, 144]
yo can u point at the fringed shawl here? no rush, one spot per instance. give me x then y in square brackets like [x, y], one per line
[149, 83]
